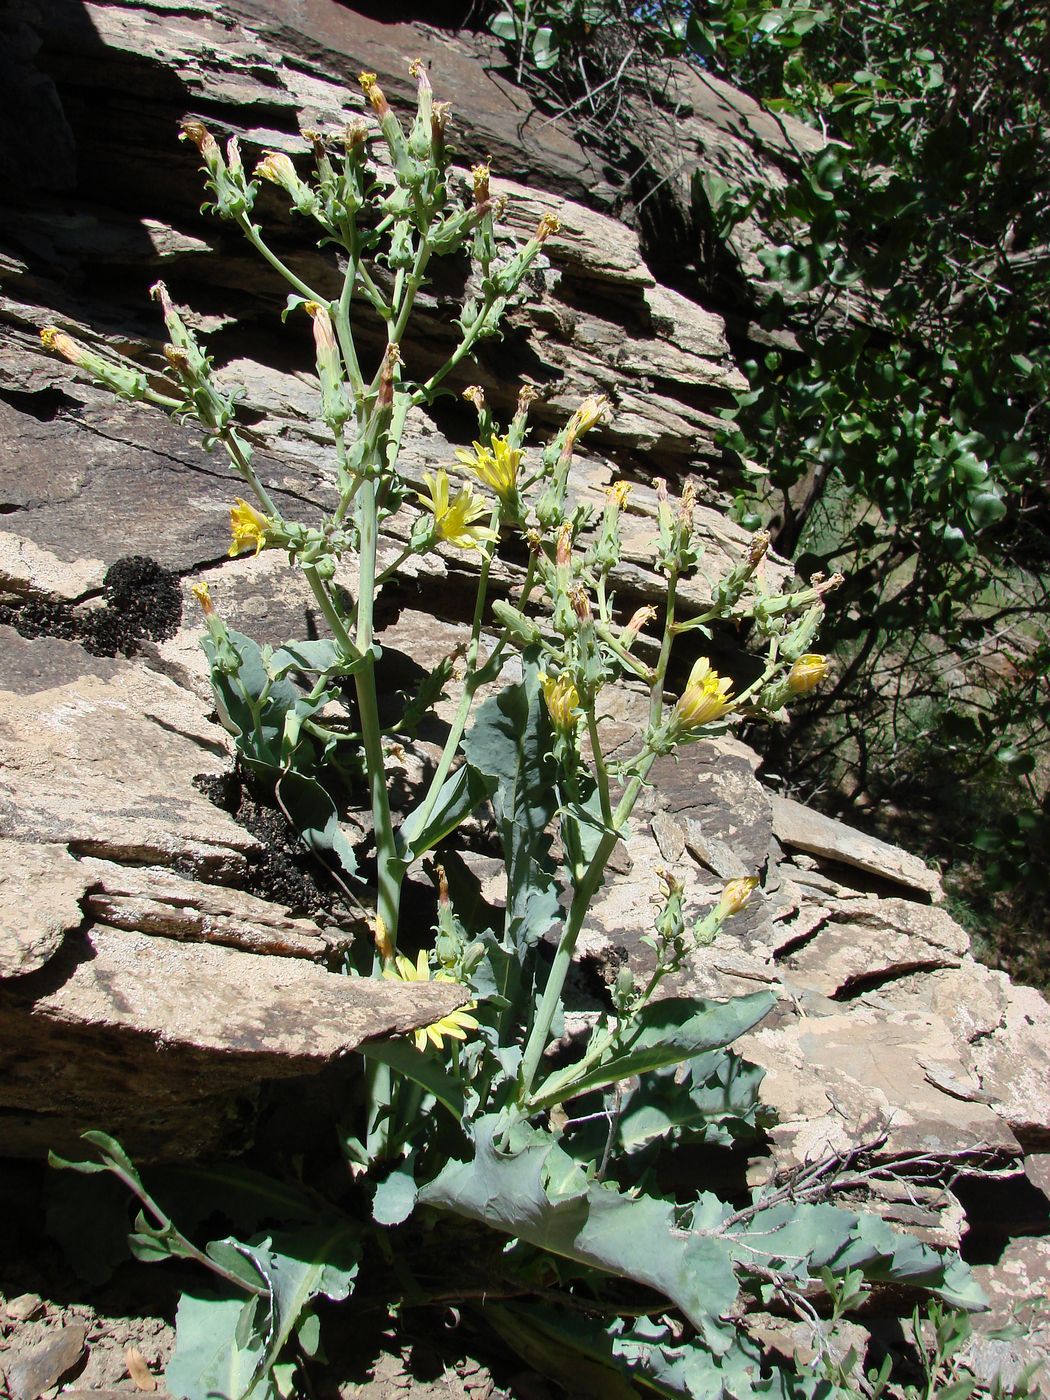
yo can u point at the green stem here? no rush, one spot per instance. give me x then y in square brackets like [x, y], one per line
[588, 885]
[245, 469]
[255, 238]
[601, 773]
[422, 395]
[584, 892]
[470, 683]
[389, 866]
[330, 612]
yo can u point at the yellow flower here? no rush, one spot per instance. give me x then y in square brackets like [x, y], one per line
[592, 411]
[618, 493]
[276, 167]
[497, 465]
[454, 520]
[705, 697]
[247, 527]
[562, 699]
[455, 1025]
[736, 894]
[548, 224]
[203, 597]
[807, 673]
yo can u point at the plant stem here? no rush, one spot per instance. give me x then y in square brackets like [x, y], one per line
[584, 892]
[459, 723]
[587, 886]
[255, 238]
[389, 867]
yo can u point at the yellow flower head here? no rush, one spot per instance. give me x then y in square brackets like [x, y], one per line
[203, 597]
[455, 1025]
[248, 527]
[454, 520]
[736, 894]
[807, 673]
[549, 223]
[618, 493]
[705, 697]
[276, 167]
[496, 465]
[562, 699]
[53, 339]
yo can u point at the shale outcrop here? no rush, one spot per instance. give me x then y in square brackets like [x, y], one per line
[161, 959]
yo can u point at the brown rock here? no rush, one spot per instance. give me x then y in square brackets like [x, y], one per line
[1014, 1065]
[42, 1367]
[852, 1075]
[106, 767]
[805, 830]
[165, 904]
[871, 940]
[41, 888]
[278, 1015]
[1017, 1288]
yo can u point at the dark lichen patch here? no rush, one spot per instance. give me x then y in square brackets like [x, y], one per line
[141, 601]
[284, 872]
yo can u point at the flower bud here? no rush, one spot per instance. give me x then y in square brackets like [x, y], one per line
[198, 133]
[355, 134]
[374, 93]
[807, 673]
[736, 895]
[385, 945]
[581, 604]
[592, 411]
[203, 596]
[563, 547]
[479, 175]
[128, 383]
[637, 622]
[391, 359]
[475, 394]
[758, 549]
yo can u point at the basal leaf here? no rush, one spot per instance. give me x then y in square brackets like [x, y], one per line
[208, 1360]
[394, 1198]
[644, 1355]
[800, 1240]
[539, 1195]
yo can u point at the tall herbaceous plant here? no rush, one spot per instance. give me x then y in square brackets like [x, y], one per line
[540, 1173]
